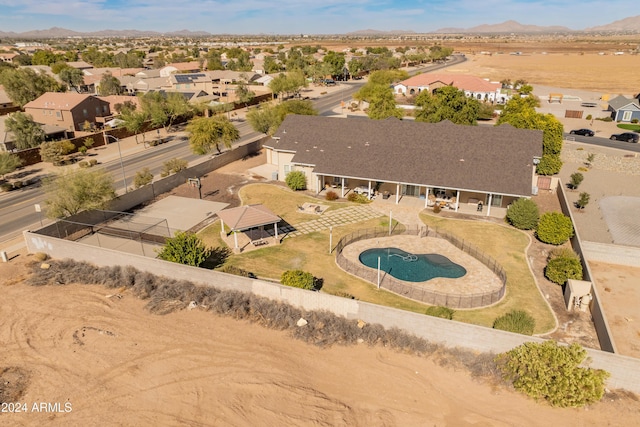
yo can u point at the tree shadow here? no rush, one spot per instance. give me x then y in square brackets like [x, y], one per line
[218, 257]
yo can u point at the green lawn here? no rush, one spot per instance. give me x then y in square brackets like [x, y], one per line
[311, 253]
[629, 126]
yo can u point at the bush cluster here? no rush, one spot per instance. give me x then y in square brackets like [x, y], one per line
[517, 321]
[550, 164]
[236, 271]
[185, 248]
[296, 180]
[357, 198]
[298, 279]
[143, 177]
[554, 228]
[563, 264]
[523, 214]
[553, 373]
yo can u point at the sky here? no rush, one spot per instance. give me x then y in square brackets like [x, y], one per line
[303, 16]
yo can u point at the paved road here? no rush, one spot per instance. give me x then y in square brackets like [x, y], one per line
[17, 209]
[603, 142]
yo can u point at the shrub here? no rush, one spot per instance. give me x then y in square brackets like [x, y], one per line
[174, 165]
[331, 195]
[298, 279]
[142, 178]
[550, 164]
[583, 169]
[83, 164]
[635, 121]
[517, 321]
[590, 158]
[82, 149]
[563, 264]
[17, 184]
[436, 208]
[583, 200]
[589, 116]
[523, 214]
[185, 248]
[40, 256]
[554, 228]
[296, 180]
[93, 162]
[605, 119]
[553, 373]
[6, 186]
[576, 180]
[440, 311]
[357, 198]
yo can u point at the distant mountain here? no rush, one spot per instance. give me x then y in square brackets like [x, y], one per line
[56, 32]
[378, 33]
[507, 27]
[626, 24]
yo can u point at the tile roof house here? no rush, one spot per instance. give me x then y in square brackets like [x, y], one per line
[471, 85]
[473, 164]
[180, 67]
[624, 109]
[7, 138]
[68, 110]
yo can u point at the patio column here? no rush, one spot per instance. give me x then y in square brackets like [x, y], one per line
[397, 193]
[235, 238]
[426, 197]
[370, 195]
[275, 229]
[342, 187]
[319, 184]
[489, 204]
[457, 199]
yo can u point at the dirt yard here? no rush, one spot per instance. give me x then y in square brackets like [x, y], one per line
[104, 357]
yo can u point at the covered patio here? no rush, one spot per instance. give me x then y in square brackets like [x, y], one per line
[247, 226]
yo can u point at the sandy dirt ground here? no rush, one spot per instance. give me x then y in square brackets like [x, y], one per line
[113, 363]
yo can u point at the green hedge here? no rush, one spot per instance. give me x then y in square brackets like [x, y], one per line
[554, 228]
[523, 214]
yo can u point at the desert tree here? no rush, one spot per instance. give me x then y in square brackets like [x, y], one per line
[27, 133]
[72, 191]
[73, 77]
[164, 109]
[8, 163]
[23, 85]
[382, 104]
[109, 85]
[447, 103]
[55, 151]
[207, 133]
[143, 177]
[576, 180]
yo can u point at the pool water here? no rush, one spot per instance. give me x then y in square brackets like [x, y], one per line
[409, 267]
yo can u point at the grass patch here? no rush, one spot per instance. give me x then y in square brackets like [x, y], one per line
[507, 246]
[629, 126]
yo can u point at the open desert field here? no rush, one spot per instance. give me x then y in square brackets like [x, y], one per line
[105, 360]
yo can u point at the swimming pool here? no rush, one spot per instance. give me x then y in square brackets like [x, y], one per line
[411, 267]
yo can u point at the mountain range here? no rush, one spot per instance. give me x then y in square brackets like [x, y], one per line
[631, 24]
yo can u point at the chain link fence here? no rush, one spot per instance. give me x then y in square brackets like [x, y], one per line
[416, 291]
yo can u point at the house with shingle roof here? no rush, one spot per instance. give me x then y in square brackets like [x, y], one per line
[69, 110]
[463, 165]
[472, 86]
[624, 109]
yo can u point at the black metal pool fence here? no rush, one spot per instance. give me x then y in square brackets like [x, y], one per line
[416, 291]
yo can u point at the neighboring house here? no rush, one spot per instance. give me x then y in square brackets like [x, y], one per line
[6, 104]
[80, 65]
[180, 67]
[264, 80]
[472, 86]
[624, 109]
[7, 139]
[7, 57]
[466, 165]
[69, 110]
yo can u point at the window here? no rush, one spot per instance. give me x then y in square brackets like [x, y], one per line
[58, 115]
[287, 169]
[85, 112]
[496, 200]
[97, 111]
[105, 109]
[626, 116]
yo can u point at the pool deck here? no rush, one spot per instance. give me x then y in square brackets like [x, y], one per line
[479, 278]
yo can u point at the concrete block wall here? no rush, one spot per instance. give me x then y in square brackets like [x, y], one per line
[625, 371]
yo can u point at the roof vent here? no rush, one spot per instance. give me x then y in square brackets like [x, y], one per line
[348, 146]
[366, 144]
[462, 160]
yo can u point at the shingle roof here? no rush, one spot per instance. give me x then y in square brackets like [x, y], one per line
[622, 101]
[479, 158]
[58, 100]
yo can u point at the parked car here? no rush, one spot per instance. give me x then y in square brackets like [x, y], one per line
[626, 136]
[583, 132]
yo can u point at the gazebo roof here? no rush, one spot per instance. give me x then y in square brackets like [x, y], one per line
[248, 216]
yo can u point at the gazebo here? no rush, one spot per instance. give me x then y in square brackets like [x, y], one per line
[246, 217]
